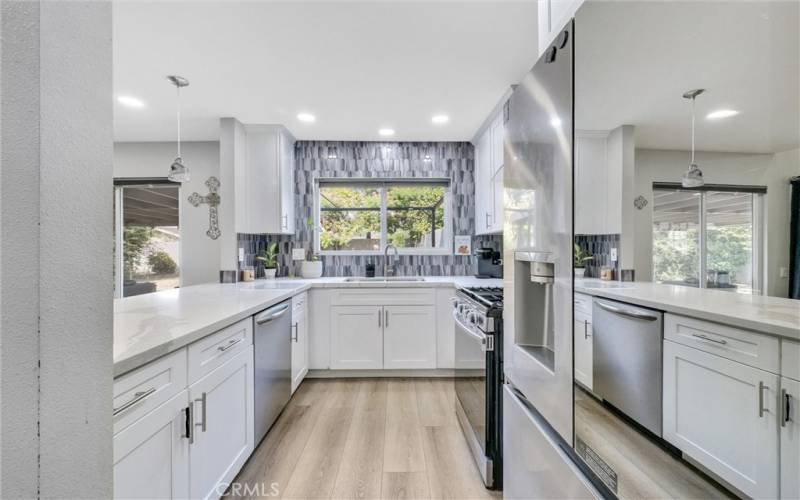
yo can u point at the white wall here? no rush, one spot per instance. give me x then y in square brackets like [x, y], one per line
[56, 264]
[199, 260]
[768, 170]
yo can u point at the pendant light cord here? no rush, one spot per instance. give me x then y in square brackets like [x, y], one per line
[693, 130]
[178, 88]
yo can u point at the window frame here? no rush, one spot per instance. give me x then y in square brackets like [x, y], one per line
[383, 184]
[759, 275]
[121, 183]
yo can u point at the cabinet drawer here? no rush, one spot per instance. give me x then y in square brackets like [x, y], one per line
[750, 348]
[583, 303]
[142, 390]
[790, 359]
[207, 354]
[384, 296]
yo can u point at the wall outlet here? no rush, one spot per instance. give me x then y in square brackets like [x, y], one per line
[298, 254]
[613, 255]
[241, 254]
[783, 272]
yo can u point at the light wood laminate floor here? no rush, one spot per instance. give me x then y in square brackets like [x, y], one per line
[365, 439]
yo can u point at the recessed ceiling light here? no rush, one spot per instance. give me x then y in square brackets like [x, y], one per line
[131, 102]
[440, 119]
[386, 132]
[306, 117]
[722, 113]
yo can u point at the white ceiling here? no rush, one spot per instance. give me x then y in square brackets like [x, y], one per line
[634, 60]
[356, 66]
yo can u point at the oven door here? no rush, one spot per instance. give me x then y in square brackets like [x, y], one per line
[471, 360]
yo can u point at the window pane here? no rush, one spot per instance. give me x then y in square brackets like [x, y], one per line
[150, 238]
[415, 216]
[729, 240]
[350, 218]
[676, 237]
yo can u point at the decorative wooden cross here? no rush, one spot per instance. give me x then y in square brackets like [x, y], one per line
[212, 199]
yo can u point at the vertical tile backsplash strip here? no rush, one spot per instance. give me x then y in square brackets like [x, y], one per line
[332, 159]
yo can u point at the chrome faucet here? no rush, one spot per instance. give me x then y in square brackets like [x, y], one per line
[387, 268]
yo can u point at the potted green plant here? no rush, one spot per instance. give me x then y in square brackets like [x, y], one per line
[270, 259]
[581, 258]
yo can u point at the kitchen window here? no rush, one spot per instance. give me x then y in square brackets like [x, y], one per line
[708, 237]
[355, 217]
[147, 231]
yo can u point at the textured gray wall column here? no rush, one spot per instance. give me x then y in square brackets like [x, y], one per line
[56, 241]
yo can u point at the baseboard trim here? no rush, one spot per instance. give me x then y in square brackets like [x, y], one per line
[428, 373]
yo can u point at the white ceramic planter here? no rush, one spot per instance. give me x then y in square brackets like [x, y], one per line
[579, 272]
[311, 269]
[270, 273]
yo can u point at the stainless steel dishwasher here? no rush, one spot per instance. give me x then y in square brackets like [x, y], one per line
[627, 358]
[272, 365]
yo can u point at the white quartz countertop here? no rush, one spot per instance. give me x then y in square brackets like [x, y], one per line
[149, 326]
[772, 315]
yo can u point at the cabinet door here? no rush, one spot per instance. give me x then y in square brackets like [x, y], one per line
[590, 184]
[497, 202]
[287, 183]
[498, 135]
[583, 349]
[790, 439]
[409, 337]
[356, 337]
[299, 346]
[484, 203]
[223, 425]
[724, 415]
[151, 456]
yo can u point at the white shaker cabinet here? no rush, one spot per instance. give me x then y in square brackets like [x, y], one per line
[790, 438]
[723, 414]
[409, 337]
[151, 456]
[223, 425]
[264, 181]
[489, 178]
[356, 337]
[583, 349]
[299, 339]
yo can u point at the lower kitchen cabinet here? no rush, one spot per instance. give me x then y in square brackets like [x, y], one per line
[299, 340]
[151, 456]
[223, 425]
[409, 337]
[583, 349]
[724, 415]
[356, 337]
[790, 439]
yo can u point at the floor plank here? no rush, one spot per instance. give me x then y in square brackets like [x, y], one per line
[436, 407]
[452, 472]
[361, 471]
[403, 446]
[405, 486]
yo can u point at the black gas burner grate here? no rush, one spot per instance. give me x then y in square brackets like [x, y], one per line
[491, 296]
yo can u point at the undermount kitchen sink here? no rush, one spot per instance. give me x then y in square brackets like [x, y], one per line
[383, 278]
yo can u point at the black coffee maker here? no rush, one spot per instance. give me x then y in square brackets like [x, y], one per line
[490, 263]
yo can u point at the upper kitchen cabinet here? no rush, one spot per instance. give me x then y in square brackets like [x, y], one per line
[489, 176]
[264, 180]
[553, 16]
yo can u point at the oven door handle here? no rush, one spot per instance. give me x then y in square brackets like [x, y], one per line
[487, 341]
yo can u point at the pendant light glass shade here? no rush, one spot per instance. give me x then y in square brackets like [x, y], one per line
[178, 172]
[693, 177]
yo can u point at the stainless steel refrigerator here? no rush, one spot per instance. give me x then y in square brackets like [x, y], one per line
[538, 187]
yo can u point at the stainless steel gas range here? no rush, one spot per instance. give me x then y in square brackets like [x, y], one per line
[478, 314]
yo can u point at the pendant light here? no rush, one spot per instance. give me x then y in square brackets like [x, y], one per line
[178, 172]
[693, 177]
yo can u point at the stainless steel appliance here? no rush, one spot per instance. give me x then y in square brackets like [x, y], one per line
[478, 314]
[272, 339]
[628, 360]
[538, 281]
[490, 263]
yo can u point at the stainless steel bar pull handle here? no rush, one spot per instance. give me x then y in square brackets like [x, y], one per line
[230, 344]
[709, 339]
[271, 314]
[385, 317]
[585, 329]
[487, 219]
[296, 332]
[761, 408]
[137, 398]
[189, 413]
[202, 401]
[626, 312]
[786, 407]
[380, 318]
